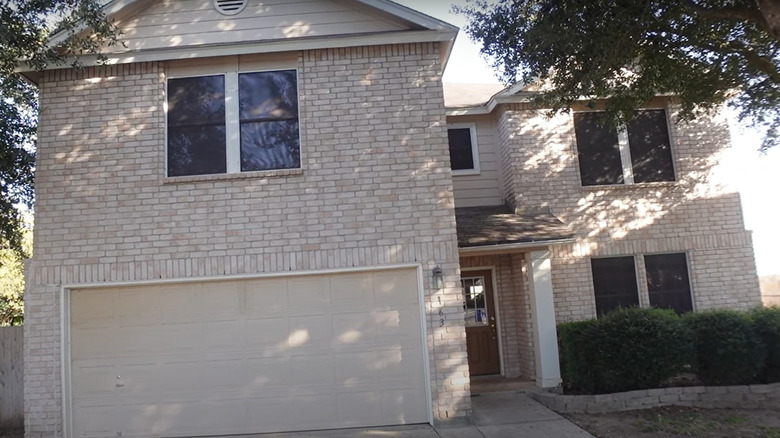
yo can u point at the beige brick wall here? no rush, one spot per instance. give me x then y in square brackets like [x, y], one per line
[375, 189]
[698, 214]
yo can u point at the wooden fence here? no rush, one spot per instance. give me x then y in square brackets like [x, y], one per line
[11, 378]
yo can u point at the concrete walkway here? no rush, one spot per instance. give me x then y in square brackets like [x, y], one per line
[494, 415]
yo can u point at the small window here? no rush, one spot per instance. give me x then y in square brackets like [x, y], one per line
[639, 153]
[614, 283]
[464, 154]
[260, 109]
[668, 284]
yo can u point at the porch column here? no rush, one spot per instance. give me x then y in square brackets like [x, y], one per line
[548, 372]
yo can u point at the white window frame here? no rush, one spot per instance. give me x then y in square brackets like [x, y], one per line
[230, 72]
[472, 127]
[625, 149]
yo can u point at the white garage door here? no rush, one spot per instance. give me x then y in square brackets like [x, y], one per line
[262, 355]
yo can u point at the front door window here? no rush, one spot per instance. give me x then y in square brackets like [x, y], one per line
[476, 305]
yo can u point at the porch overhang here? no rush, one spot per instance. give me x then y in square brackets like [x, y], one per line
[497, 229]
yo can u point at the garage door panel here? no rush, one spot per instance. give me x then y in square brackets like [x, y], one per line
[348, 289]
[308, 331]
[93, 308]
[365, 406]
[266, 297]
[315, 411]
[393, 289]
[312, 370]
[249, 356]
[308, 293]
[268, 374]
[219, 335]
[268, 336]
[403, 406]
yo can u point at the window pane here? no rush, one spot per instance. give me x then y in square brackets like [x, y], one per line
[614, 283]
[474, 305]
[667, 282]
[268, 96]
[270, 145]
[598, 150]
[196, 150]
[196, 101]
[461, 156]
[651, 152]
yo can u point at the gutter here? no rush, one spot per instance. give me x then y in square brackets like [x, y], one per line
[508, 247]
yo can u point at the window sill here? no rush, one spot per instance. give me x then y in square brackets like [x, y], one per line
[649, 185]
[465, 172]
[232, 176]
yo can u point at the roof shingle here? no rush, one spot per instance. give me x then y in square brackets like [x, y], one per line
[498, 225]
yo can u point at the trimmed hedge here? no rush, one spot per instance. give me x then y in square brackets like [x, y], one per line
[577, 349]
[624, 350]
[767, 323]
[728, 348]
[637, 348]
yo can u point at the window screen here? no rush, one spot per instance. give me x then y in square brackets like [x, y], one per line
[461, 155]
[268, 115]
[196, 126]
[614, 283]
[651, 151]
[667, 282]
[598, 150]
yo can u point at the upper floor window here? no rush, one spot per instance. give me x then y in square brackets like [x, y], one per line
[639, 153]
[233, 122]
[464, 153]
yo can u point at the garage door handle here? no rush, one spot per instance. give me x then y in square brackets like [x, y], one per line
[119, 382]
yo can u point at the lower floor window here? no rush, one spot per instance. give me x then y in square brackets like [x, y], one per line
[614, 283]
[668, 284]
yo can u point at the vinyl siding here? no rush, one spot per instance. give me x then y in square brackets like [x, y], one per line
[181, 23]
[482, 189]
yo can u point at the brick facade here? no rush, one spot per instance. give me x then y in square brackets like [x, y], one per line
[698, 214]
[375, 189]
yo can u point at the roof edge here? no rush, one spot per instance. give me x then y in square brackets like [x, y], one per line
[511, 247]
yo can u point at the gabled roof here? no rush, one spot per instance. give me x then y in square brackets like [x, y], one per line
[471, 99]
[396, 24]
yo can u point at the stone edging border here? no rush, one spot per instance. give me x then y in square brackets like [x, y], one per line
[724, 397]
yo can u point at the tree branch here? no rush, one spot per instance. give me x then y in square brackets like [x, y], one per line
[732, 13]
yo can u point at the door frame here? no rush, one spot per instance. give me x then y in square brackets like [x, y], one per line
[65, 332]
[497, 309]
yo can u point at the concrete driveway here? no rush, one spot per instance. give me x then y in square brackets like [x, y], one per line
[494, 415]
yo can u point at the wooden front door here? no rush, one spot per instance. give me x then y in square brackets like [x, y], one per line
[481, 331]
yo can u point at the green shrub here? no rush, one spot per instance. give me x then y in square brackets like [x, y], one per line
[641, 348]
[577, 355]
[624, 350]
[728, 349]
[766, 322]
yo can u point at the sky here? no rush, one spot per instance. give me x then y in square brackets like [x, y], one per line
[756, 175]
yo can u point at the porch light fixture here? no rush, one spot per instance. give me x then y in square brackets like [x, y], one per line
[438, 277]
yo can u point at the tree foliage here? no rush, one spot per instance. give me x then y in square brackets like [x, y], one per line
[12, 281]
[704, 52]
[26, 28]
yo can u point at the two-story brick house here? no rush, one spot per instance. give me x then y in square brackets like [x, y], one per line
[246, 223]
